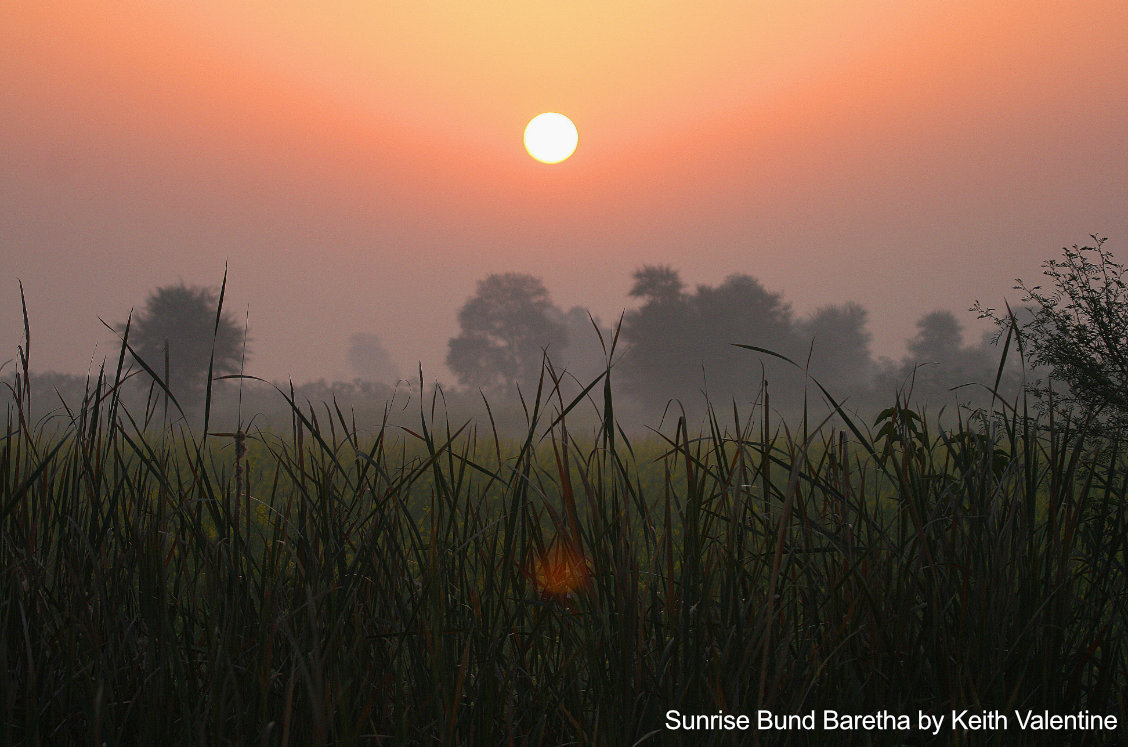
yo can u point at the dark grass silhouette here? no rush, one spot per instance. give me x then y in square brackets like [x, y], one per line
[160, 586]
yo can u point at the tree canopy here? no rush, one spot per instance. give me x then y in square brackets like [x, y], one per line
[507, 326]
[182, 320]
[1078, 332]
[681, 343]
[840, 346]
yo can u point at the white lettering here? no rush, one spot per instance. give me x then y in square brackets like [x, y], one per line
[928, 722]
[767, 721]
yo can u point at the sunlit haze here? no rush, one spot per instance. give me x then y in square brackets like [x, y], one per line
[359, 166]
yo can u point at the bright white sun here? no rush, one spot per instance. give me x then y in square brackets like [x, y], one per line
[551, 137]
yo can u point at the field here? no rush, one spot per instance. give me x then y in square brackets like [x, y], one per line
[442, 583]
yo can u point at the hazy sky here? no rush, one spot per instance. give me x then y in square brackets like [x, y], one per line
[359, 165]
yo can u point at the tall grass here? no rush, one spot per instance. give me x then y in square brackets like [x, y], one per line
[352, 588]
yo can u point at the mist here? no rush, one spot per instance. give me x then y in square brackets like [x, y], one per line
[675, 351]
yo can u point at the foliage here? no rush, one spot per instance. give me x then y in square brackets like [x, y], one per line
[656, 283]
[180, 332]
[940, 368]
[1078, 332]
[840, 345]
[507, 327]
[682, 342]
[393, 588]
[938, 337]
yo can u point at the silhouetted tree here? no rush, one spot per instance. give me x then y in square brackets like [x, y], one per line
[656, 283]
[656, 368]
[939, 367]
[370, 359]
[740, 310]
[682, 344]
[938, 338]
[506, 327]
[840, 347]
[182, 320]
[1078, 332]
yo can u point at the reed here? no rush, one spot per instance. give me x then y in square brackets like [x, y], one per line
[332, 585]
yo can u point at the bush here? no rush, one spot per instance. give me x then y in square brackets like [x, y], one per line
[1077, 333]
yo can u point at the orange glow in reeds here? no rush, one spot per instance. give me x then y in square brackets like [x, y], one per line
[561, 570]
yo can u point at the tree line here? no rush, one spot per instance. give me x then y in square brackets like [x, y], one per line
[678, 344]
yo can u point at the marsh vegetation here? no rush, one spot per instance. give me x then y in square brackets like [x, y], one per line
[346, 579]
[322, 586]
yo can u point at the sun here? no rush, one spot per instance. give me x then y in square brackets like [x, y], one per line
[551, 137]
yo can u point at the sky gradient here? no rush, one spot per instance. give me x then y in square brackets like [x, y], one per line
[359, 166]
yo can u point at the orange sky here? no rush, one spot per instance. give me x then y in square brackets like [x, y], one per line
[359, 165]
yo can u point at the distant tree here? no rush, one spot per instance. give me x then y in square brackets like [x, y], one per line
[656, 283]
[681, 344]
[506, 327]
[49, 390]
[740, 310]
[370, 360]
[1078, 332]
[182, 320]
[656, 367]
[840, 347]
[939, 367]
[938, 338]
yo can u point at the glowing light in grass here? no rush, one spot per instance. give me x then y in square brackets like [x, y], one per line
[561, 571]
